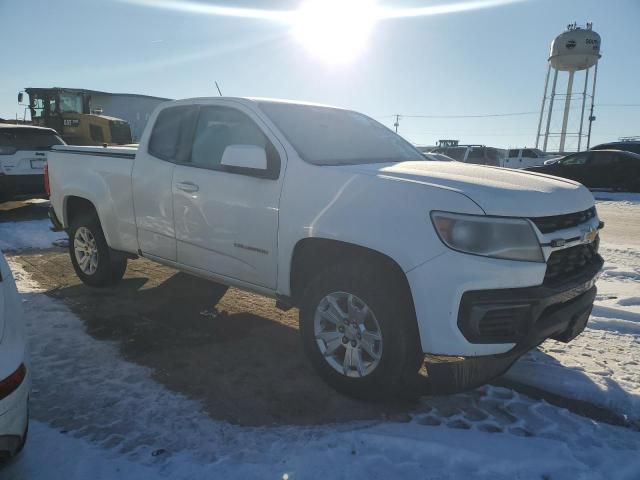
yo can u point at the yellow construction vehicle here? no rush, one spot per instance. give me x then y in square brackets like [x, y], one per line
[68, 112]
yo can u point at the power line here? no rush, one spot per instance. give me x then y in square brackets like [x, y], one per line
[490, 115]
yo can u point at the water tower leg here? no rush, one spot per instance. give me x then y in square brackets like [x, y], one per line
[544, 100]
[553, 96]
[584, 100]
[567, 106]
[593, 97]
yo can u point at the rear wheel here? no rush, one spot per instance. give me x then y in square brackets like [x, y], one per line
[94, 262]
[358, 330]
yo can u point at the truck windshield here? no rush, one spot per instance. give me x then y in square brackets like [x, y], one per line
[330, 136]
[28, 138]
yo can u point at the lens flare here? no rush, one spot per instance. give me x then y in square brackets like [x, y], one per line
[336, 31]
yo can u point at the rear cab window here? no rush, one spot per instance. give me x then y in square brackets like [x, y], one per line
[14, 139]
[171, 135]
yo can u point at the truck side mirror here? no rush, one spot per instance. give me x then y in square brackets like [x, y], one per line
[245, 156]
[20, 96]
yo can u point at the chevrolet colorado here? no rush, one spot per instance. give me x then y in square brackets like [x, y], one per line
[393, 260]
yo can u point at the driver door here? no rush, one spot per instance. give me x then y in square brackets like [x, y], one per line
[226, 218]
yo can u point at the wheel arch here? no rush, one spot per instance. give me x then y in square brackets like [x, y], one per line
[310, 255]
[76, 205]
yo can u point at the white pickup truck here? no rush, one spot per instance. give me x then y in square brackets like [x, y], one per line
[526, 157]
[393, 260]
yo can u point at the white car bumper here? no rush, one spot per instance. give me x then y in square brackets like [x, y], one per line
[14, 417]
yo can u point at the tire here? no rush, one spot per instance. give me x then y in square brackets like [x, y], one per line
[218, 292]
[108, 267]
[390, 312]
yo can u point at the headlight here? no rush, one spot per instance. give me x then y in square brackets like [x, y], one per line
[496, 237]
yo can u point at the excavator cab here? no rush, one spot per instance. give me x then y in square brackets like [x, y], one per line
[69, 113]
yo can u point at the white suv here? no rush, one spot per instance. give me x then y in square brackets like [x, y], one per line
[14, 368]
[23, 153]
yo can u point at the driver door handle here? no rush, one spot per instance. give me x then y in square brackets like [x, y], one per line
[188, 187]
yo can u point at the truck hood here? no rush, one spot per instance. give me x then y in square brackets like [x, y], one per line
[498, 191]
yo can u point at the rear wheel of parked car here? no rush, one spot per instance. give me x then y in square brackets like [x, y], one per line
[359, 331]
[94, 262]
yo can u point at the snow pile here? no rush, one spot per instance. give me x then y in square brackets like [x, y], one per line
[98, 416]
[28, 234]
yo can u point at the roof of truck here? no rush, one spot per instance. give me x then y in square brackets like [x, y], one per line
[260, 100]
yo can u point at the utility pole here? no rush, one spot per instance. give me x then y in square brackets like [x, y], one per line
[397, 123]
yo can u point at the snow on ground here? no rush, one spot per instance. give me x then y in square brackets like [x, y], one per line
[97, 416]
[28, 234]
[621, 198]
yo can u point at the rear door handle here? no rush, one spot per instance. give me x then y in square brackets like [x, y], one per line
[188, 187]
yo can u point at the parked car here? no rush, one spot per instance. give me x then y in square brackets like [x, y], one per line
[23, 153]
[390, 258]
[437, 157]
[525, 158]
[478, 154]
[598, 169]
[14, 369]
[629, 146]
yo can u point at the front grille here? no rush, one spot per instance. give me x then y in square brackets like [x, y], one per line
[564, 264]
[559, 222]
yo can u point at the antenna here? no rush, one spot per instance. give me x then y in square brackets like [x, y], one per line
[218, 87]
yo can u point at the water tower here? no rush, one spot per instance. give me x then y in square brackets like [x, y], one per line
[575, 50]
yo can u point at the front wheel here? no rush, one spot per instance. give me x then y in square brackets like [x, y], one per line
[358, 330]
[94, 262]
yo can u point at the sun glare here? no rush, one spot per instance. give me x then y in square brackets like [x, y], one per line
[336, 31]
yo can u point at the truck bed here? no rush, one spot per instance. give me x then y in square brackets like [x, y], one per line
[101, 175]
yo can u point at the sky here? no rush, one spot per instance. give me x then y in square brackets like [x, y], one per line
[477, 62]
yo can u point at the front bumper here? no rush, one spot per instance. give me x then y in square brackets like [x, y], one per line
[524, 317]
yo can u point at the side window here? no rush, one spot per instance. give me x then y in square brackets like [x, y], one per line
[603, 159]
[219, 127]
[475, 154]
[528, 153]
[171, 133]
[457, 153]
[578, 159]
[513, 154]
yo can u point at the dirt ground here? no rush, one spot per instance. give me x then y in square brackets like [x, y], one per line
[242, 359]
